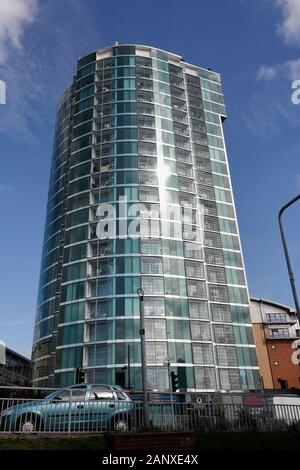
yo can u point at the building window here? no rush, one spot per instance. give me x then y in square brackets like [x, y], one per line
[155, 329]
[203, 354]
[198, 309]
[200, 331]
[205, 377]
[152, 266]
[156, 352]
[227, 356]
[276, 317]
[283, 384]
[278, 333]
[153, 285]
[230, 379]
[154, 307]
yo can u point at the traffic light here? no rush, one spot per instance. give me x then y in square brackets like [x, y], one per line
[174, 381]
[79, 376]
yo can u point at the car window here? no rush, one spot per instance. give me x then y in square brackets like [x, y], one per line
[101, 393]
[76, 395]
[121, 396]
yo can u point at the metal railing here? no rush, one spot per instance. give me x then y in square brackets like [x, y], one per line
[31, 412]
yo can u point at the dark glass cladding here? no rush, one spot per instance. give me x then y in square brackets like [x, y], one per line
[86, 60]
[144, 125]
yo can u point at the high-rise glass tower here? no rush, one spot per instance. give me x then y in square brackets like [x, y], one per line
[140, 196]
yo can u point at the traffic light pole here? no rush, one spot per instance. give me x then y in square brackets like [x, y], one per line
[171, 392]
[287, 256]
[143, 359]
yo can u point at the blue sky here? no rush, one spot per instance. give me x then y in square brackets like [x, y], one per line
[254, 45]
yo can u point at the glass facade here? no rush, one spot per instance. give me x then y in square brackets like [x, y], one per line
[140, 196]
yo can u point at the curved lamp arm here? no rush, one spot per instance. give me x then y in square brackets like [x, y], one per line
[286, 252]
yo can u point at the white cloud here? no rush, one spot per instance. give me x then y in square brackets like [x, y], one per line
[290, 27]
[14, 15]
[289, 70]
[266, 73]
[40, 71]
[292, 69]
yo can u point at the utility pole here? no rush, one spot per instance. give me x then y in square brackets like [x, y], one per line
[128, 364]
[140, 293]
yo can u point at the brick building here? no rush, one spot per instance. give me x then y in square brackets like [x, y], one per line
[277, 338]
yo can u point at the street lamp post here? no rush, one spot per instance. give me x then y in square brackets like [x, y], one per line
[287, 256]
[143, 359]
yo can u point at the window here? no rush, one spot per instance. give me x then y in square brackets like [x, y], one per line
[278, 332]
[153, 285]
[224, 334]
[97, 355]
[154, 307]
[205, 378]
[101, 393]
[276, 317]
[178, 329]
[151, 247]
[152, 266]
[156, 352]
[235, 276]
[216, 274]
[232, 259]
[238, 295]
[203, 354]
[180, 352]
[230, 379]
[74, 271]
[155, 329]
[173, 266]
[70, 334]
[247, 356]
[200, 331]
[221, 313]
[172, 248]
[212, 239]
[175, 286]
[227, 356]
[194, 269]
[198, 309]
[283, 383]
[72, 312]
[77, 395]
[218, 293]
[214, 256]
[243, 334]
[196, 288]
[73, 291]
[176, 307]
[77, 217]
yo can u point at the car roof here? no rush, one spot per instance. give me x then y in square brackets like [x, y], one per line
[90, 385]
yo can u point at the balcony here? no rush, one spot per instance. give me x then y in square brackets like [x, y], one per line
[281, 336]
[279, 319]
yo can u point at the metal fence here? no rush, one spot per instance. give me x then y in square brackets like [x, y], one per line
[76, 411]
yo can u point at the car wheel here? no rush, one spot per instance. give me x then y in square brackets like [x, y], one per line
[28, 424]
[121, 423]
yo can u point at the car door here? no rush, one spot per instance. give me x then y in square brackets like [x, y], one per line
[101, 407]
[66, 410]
